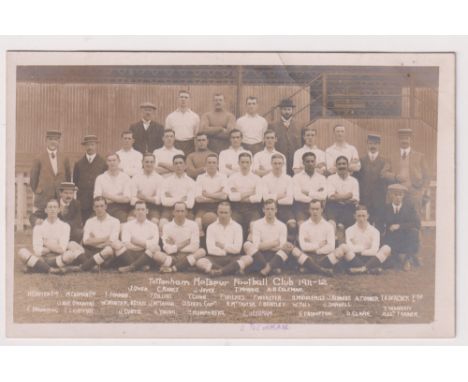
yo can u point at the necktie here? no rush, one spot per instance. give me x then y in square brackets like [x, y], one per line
[52, 155]
[90, 160]
[404, 155]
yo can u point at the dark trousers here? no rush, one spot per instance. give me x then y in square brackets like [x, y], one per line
[186, 146]
[340, 213]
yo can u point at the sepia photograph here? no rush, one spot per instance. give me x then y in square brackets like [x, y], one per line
[230, 195]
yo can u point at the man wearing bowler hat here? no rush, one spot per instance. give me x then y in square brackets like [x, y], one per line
[409, 168]
[49, 170]
[147, 133]
[288, 133]
[85, 172]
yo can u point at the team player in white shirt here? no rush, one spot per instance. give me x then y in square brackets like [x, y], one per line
[101, 237]
[341, 148]
[261, 165]
[229, 158]
[361, 251]
[308, 185]
[130, 159]
[114, 186]
[316, 241]
[210, 190]
[52, 249]
[146, 187]
[223, 242]
[178, 187]
[244, 190]
[165, 154]
[277, 185]
[343, 195]
[309, 135]
[184, 122]
[253, 126]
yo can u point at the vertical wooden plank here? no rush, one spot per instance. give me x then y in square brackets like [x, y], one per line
[20, 202]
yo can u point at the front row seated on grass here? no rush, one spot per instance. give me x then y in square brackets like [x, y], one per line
[266, 250]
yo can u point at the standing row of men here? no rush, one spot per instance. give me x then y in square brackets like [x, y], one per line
[165, 179]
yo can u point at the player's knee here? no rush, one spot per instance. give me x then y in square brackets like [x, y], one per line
[200, 252]
[245, 261]
[24, 254]
[153, 247]
[107, 252]
[204, 265]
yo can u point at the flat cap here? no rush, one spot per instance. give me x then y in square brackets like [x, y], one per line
[405, 132]
[89, 138]
[53, 134]
[68, 186]
[148, 105]
[397, 187]
[373, 137]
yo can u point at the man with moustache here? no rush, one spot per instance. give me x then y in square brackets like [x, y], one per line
[373, 177]
[288, 133]
[48, 171]
[217, 124]
[146, 132]
[85, 172]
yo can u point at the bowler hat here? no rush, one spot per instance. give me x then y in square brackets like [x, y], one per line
[67, 186]
[397, 187]
[53, 134]
[287, 102]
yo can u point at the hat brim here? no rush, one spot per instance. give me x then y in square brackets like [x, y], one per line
[84, 143]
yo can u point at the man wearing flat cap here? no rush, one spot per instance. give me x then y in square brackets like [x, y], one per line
[146, 132]
[288, 133]
[49, 170]
[409, 168]
[373, 179]
[401, 228]
[85, 172]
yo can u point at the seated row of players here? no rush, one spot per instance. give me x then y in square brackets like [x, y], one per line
[136, 244]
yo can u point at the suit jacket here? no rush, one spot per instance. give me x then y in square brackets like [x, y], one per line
[147, 140]
[407, 218]
[373, 178]
[419, 172]
[289, 140]
[72, 216]
[84, 176]
[44, 182]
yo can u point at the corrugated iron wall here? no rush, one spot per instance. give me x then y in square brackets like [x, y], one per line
[108, 109]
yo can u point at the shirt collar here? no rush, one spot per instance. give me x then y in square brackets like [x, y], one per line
[62, 203]
[90, 156]
[50, 151]
[373, 155]
[396, 207]
[407, 151]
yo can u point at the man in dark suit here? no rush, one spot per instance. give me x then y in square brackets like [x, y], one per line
[410, 169]
[373, 177]
[69, 211]
[85, 172]
[49, 170]
[402, 224]
[147, 133]
[288, 132]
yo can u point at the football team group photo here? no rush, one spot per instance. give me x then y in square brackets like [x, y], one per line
[226, 172]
